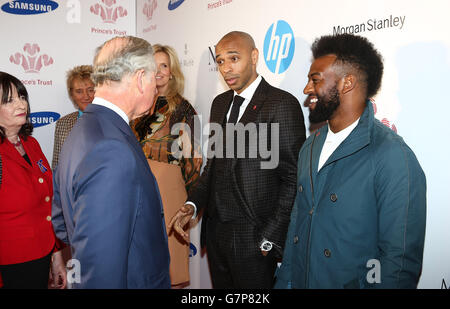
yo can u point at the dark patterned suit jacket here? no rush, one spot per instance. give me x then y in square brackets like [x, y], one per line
[236, 188]
[63, 128]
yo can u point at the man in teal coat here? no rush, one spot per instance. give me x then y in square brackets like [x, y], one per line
[359, 215]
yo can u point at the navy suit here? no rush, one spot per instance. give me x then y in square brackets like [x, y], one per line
[107, 205]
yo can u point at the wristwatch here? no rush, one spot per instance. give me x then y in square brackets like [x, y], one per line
[266, 245]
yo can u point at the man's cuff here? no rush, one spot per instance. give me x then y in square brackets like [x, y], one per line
[195, 209]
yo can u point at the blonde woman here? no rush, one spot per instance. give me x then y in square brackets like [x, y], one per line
[176, 172]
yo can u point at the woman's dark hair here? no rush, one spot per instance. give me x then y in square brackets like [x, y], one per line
[7, 81]
[356, 52]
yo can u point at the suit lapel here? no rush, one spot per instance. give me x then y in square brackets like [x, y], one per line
[314, 155]
[251, 112]
[13, 154]
[250, 116]
[220, 112]
[73, 119]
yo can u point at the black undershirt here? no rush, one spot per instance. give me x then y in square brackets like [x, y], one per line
[25, 156]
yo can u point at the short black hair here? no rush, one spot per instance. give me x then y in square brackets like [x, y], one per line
[355, 51]
[6, 83]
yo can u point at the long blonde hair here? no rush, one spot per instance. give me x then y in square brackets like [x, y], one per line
[174, 94]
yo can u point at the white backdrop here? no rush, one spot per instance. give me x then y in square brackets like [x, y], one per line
[412, 35]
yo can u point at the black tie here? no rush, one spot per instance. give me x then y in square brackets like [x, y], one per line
[237, 102]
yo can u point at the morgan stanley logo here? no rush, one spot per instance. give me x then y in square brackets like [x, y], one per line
[31, 61]
[173, 4]
[279, 47]
[109, 12]
[150, 7]
[29, 7]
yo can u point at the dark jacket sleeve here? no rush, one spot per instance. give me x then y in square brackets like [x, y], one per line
[199, 194]
[289, 116]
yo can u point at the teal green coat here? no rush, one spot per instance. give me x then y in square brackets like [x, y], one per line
[360, 221]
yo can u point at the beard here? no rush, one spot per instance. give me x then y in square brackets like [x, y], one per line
[325, 106]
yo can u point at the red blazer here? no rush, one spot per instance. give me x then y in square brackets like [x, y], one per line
[26, 231]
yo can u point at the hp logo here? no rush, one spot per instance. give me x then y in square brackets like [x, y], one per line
[279, 47]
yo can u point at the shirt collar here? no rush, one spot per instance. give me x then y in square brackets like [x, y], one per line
[341, 135]
[115, 108]
[247, 94]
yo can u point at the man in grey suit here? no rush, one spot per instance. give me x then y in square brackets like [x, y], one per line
[247, 200]
[106, 203]
[81, 91]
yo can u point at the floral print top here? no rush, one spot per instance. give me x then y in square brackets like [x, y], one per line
[170, 138]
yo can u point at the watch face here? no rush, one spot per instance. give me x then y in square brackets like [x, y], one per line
[266, 246]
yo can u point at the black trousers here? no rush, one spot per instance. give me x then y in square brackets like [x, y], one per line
[29, 275]
[234, 256]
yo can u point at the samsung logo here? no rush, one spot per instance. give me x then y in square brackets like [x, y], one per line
[173, 4]
[40, 119]
[29, 7]
[192, 250]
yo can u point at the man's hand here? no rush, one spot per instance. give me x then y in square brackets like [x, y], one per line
[58, 275]
[180, 219]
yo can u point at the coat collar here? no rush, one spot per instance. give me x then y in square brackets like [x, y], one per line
[223, 108]
[11, 152]
[113, 118]
[257, 101]
[358, 139]
[37, 163]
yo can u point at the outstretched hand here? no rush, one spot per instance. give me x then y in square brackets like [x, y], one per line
[180, 219]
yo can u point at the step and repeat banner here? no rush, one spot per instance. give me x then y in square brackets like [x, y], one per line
[43, 39]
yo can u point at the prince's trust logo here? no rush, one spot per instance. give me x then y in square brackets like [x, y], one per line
[108, 11]
[31, 61]
[149, 8]
[384, 121]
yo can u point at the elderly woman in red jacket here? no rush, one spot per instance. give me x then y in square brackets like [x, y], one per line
[29, 250]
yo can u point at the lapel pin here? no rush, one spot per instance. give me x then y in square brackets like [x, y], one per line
[41, 166]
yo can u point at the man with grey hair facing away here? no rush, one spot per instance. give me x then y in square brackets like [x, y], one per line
[106, 203]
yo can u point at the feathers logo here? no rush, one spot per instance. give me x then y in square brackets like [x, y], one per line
[384, 121]
[108, 11]
[31, 60]
[149, 8]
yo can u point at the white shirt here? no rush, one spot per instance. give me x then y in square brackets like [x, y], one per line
[115, 108]
[247, 94]
[333, 141]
